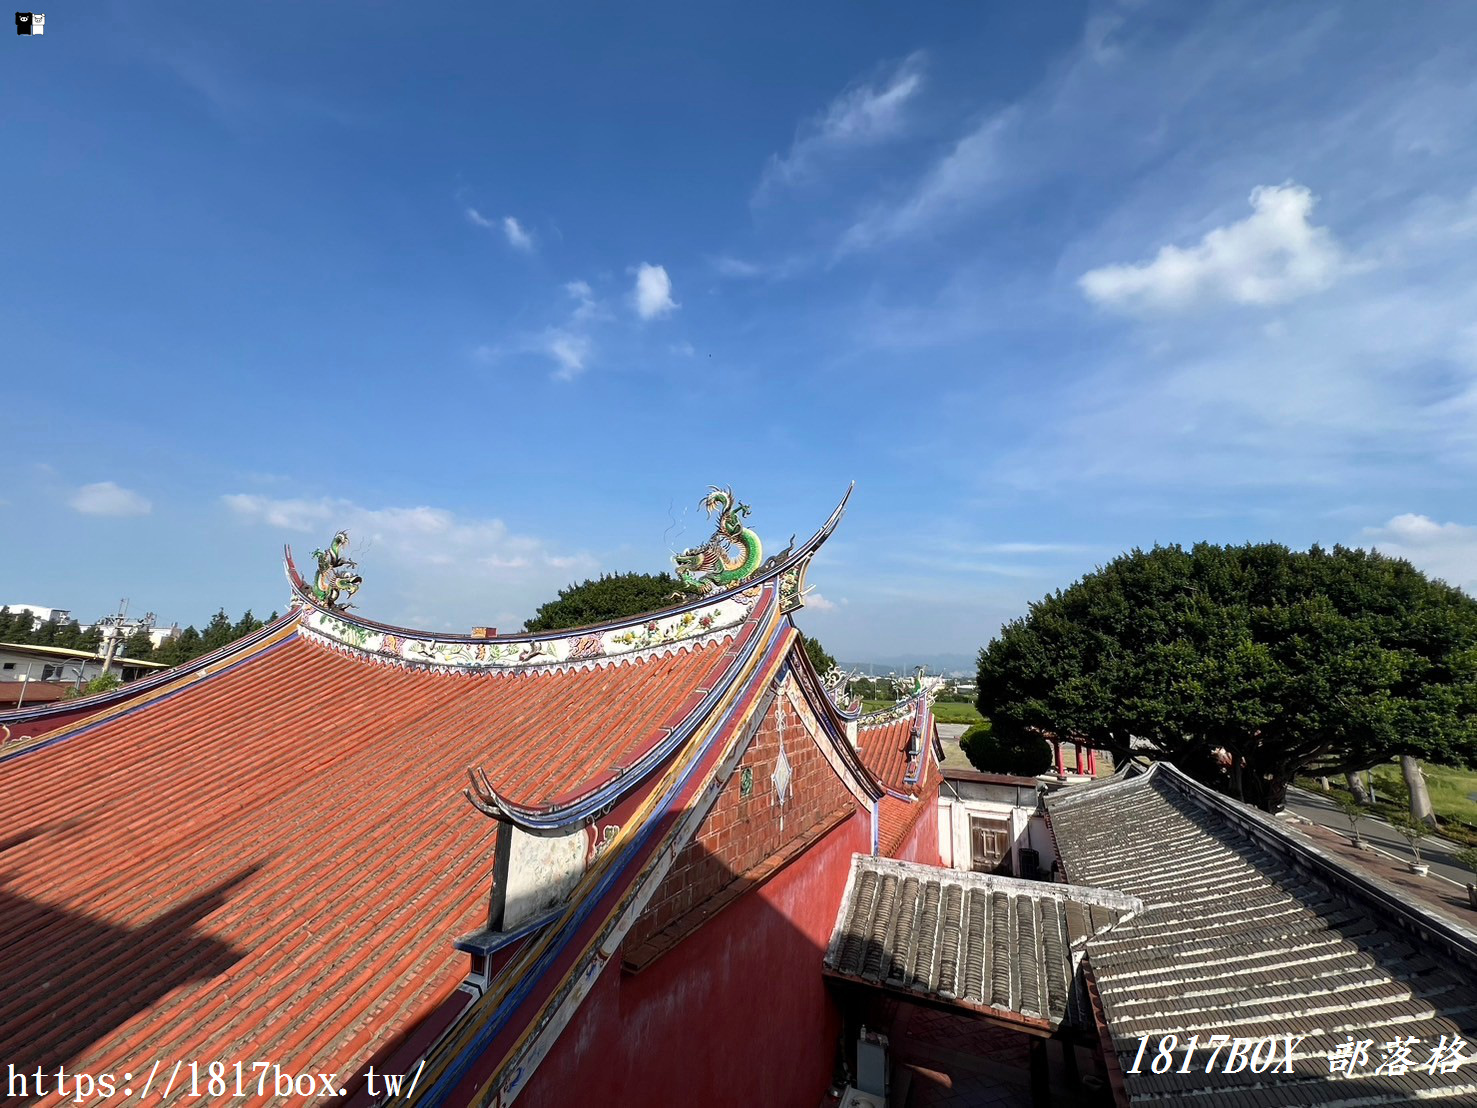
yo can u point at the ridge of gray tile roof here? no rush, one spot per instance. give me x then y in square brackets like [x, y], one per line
[1003, 947]
[1249, 930]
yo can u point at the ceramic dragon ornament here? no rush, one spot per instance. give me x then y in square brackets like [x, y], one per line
[730, 556]
[335, 580]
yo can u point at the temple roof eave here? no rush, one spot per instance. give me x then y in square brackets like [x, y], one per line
[356, 626]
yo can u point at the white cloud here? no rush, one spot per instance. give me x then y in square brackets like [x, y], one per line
[863, 115]
[105, 498]
[819, 603]
[518, 238]
[683, 349]
[1443, 550]
[958, 180]
[571, 351]
[1272, 256]
[652, 294]
[423, 562]
[587, 308]
[570, 344]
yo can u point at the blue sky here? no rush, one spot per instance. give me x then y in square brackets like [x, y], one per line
[502, 289]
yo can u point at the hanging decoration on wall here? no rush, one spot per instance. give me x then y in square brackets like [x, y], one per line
[782, 775]
[733, 553]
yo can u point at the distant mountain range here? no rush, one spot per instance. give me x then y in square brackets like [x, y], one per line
[947, 665]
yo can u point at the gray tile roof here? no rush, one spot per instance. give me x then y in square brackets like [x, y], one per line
[1248, 930]
[998, 945]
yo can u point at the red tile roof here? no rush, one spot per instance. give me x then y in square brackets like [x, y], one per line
[270, 863]
[884, 751]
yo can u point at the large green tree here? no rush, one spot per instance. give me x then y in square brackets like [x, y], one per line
[1275, 661]
[611, 596]
[819, 658]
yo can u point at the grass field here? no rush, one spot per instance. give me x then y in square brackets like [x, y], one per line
[1451, 789]
[943, 711]
[1451, 796]
[953, 712]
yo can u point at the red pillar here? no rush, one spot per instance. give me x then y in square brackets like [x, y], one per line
[1091, 762]
[1077, 754]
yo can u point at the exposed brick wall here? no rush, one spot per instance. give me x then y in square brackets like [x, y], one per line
[744, 839]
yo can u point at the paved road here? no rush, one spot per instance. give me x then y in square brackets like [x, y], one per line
[1321, 810]
[949, 734]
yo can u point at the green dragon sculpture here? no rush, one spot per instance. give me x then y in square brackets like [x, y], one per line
[335, 581]
[730, 556]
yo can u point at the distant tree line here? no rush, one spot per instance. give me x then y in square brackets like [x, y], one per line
[191, 643]
[622, 595]
[26, 629]
[23, 627]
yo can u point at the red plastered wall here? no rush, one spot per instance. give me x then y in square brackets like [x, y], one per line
[736, 1014]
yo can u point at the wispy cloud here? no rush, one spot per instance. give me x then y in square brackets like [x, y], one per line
[864, 115]
[747, 269]
[727, 266]
[518, 237]
[1444, 550]
[652, 294]
[1272, 256]
[426, 559]
[571, 351]
[959, 180]
[106, 498]
[1032, 548]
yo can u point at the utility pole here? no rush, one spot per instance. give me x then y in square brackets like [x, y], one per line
[112, 631]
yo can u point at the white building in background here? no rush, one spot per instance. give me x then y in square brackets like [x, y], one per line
[994, 823]
[40, 614]
[158, 636]
[59, 665]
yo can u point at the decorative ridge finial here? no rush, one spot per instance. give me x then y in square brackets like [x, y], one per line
[733, 554]
[335, 580]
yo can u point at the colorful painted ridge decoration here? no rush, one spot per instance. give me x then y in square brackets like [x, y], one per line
[592, 645]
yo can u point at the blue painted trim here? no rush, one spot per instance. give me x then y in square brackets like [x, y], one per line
[610, 794]
[457, 1070]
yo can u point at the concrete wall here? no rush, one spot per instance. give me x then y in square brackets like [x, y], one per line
[1028, 830]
